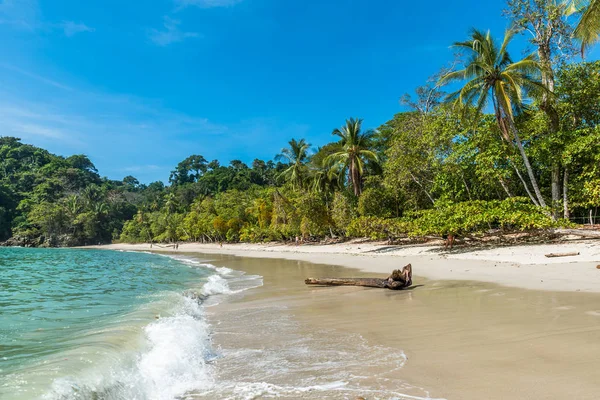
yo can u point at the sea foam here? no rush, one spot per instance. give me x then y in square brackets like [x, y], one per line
[216, 285]
[175, 359]
[179, 349]
[175, 354]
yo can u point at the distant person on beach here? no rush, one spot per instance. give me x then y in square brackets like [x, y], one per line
[297, 241]
[449, 241]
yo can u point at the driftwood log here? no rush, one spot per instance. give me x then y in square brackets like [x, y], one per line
[578, 232]
[398, 280]
[553, 255]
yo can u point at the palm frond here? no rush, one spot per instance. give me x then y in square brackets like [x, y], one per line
[588, 27]
[452, 77]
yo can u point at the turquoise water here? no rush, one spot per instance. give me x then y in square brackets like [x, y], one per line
[103, 325]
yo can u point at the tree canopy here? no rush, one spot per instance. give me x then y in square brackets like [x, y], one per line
[514, 147]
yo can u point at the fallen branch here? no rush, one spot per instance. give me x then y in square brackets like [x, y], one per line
[578, 232]
[398, 280]
[552, 255]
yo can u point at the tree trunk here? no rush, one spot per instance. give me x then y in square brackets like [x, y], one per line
[398, 280]
[534, 183]
[548, 107]
[367, 282]
[566, 214]
[534, 201]
[364, 282]
[506, 124]
[423, 188]
[355, 177]
[556, 191]
[466, 186]
[578, 232]
[505, 187]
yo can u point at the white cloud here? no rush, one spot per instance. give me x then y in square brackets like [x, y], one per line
[71, 28]
[38, 130]
[39, 125]
[23, 14]
[124, 134]
[81, 119]
[170, 34]
[206, 3]
[35, 76]
[26, 15]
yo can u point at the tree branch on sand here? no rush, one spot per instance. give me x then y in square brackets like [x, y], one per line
[398, 280]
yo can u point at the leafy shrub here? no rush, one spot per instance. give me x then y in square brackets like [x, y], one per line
[376, 202]
[472, 217]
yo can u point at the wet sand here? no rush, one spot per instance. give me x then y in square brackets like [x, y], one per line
[461, 339]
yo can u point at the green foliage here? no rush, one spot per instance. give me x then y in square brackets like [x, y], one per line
[472, 217]
[54, 201]
[295, 156]
[342, 211]
[588, 27]
[578, 92]
[377, 228]
[189, 170]
[433, 170]
[377, 201]
[467, 218]
[355, 153]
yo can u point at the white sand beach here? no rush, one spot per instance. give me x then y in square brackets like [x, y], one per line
[523, 266]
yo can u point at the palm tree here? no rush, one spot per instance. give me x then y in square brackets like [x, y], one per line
[100, 209]
[588, 27]
[326, 177]
[491, 75]
[296, 156]
[73, 206]
[354, 152]
[171, 204]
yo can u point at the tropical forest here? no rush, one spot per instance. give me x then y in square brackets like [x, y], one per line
[499, 141]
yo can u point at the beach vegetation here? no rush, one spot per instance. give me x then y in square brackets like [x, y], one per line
[498, 143]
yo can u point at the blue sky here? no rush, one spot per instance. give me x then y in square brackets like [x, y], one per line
[140, 85]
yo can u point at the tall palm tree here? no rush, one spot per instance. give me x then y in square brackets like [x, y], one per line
[588, 27]
[296, 156]
[355, 151]
[490, 75]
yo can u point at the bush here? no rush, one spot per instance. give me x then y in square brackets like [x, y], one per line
[342, 211]
[376, 202]
[472, 217]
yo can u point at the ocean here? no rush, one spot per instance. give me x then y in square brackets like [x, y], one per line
[116, 325]
[91, 324]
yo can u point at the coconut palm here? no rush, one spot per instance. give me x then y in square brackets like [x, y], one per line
[588, 27]
[355, 151]
[325, 176]
[490, 75]
[296, 156]
[73, 206]
[171, 204]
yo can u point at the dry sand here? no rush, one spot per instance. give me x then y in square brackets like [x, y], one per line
[465, 336]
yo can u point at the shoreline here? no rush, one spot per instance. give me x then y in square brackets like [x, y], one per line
[457, 340]
[522, 266]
